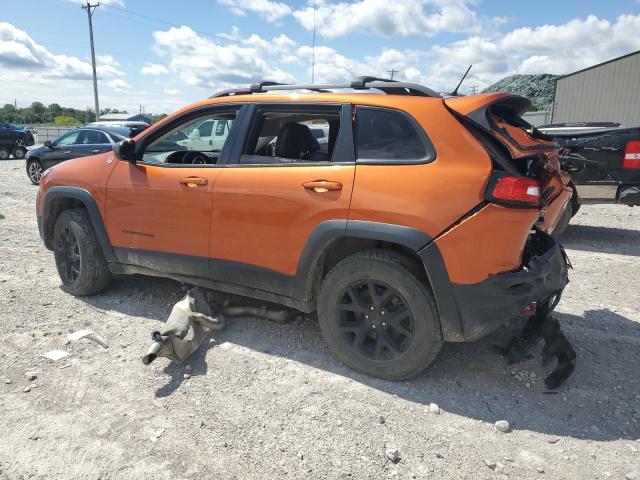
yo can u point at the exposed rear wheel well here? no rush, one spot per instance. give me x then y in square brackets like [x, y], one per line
[57, 206]
[344, 247]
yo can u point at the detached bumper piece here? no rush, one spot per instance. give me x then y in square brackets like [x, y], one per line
[487, 305]
[630, 196]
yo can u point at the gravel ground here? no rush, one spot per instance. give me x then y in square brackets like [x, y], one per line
[266, 400]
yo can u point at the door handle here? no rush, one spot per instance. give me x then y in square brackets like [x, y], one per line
[193, 181]
[322, 186]
[66, 152]
[97, 150]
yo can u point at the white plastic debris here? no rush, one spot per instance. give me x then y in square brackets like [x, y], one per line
[56, 355]
[392, 454]
[155, 436]
[90, 334]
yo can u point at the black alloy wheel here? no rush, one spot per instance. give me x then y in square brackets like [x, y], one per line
[375, 319]
[67, 247]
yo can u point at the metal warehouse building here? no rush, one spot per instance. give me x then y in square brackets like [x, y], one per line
[607, 92]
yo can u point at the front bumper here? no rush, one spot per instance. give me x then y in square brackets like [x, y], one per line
[485, 306]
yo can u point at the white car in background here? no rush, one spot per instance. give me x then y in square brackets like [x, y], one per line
[208, 136]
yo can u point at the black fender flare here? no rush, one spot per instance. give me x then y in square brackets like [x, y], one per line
[417, 241]
[82, 195]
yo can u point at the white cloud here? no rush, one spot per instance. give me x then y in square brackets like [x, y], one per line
[118, 85]
[557, 49]
[232, 36]
[202, 62]
[387, 19]
[172, 91]
[19, 52]
[267, 9]
[154, 69]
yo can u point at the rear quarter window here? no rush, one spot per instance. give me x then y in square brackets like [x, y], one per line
[385, 136]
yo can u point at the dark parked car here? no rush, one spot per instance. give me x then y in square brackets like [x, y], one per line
[81, 142]
[14, 141]
[611, 154]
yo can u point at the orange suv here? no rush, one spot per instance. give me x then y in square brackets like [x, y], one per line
[405, 218]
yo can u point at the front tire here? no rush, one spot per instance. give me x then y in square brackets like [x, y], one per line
[79, 258]
[4, 153]
[378, 317]
[34, 171]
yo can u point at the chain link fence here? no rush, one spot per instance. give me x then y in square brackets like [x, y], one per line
[42, 133]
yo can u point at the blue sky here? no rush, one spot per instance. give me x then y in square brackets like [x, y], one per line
[163, 54]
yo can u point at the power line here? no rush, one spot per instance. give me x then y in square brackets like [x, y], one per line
[90, 11]
[157, 20]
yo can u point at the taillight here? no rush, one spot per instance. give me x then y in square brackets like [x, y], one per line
[514, 190]
[631, 158]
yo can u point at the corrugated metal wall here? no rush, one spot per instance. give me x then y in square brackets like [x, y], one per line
[607, 93]
[541, 117]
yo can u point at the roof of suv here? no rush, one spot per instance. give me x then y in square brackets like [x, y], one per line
[383, 85]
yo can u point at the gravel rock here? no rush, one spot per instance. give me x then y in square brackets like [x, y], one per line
[31, 376]
[502, 426]
[434, 408]
[381, 419]
[393, 454]
[490, 463]
[8, 381]
[635, 475]
[26, 389]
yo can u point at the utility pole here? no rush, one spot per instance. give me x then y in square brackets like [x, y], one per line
[392, 72]
[313, 47]
[473, 89]
[90, 10]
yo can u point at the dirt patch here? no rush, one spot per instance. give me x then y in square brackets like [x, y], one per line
[265, 400]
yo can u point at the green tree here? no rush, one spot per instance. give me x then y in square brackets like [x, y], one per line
[65, 121]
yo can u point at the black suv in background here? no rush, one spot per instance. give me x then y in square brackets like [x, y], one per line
[14, 141]
[81, 142]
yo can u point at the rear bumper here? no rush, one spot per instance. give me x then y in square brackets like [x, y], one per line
[483, 307]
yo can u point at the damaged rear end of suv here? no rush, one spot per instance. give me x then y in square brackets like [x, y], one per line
[529, 182]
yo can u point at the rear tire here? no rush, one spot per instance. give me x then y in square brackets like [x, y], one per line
[19, 152]
[34, 171]
[4, 153]
[79, 258]
[394, 333]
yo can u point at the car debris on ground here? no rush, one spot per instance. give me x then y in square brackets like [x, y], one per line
[56, 355]
[185, 329]
[89, 334]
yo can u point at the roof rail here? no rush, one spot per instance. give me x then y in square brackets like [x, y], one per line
[390, 87]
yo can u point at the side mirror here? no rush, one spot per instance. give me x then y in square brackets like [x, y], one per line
[48, 144]
[126, 150]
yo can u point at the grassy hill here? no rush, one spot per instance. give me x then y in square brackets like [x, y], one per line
[538, 88]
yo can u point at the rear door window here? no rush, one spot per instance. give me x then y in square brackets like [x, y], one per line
[68, 139]
[389, 136]
[91, 137]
